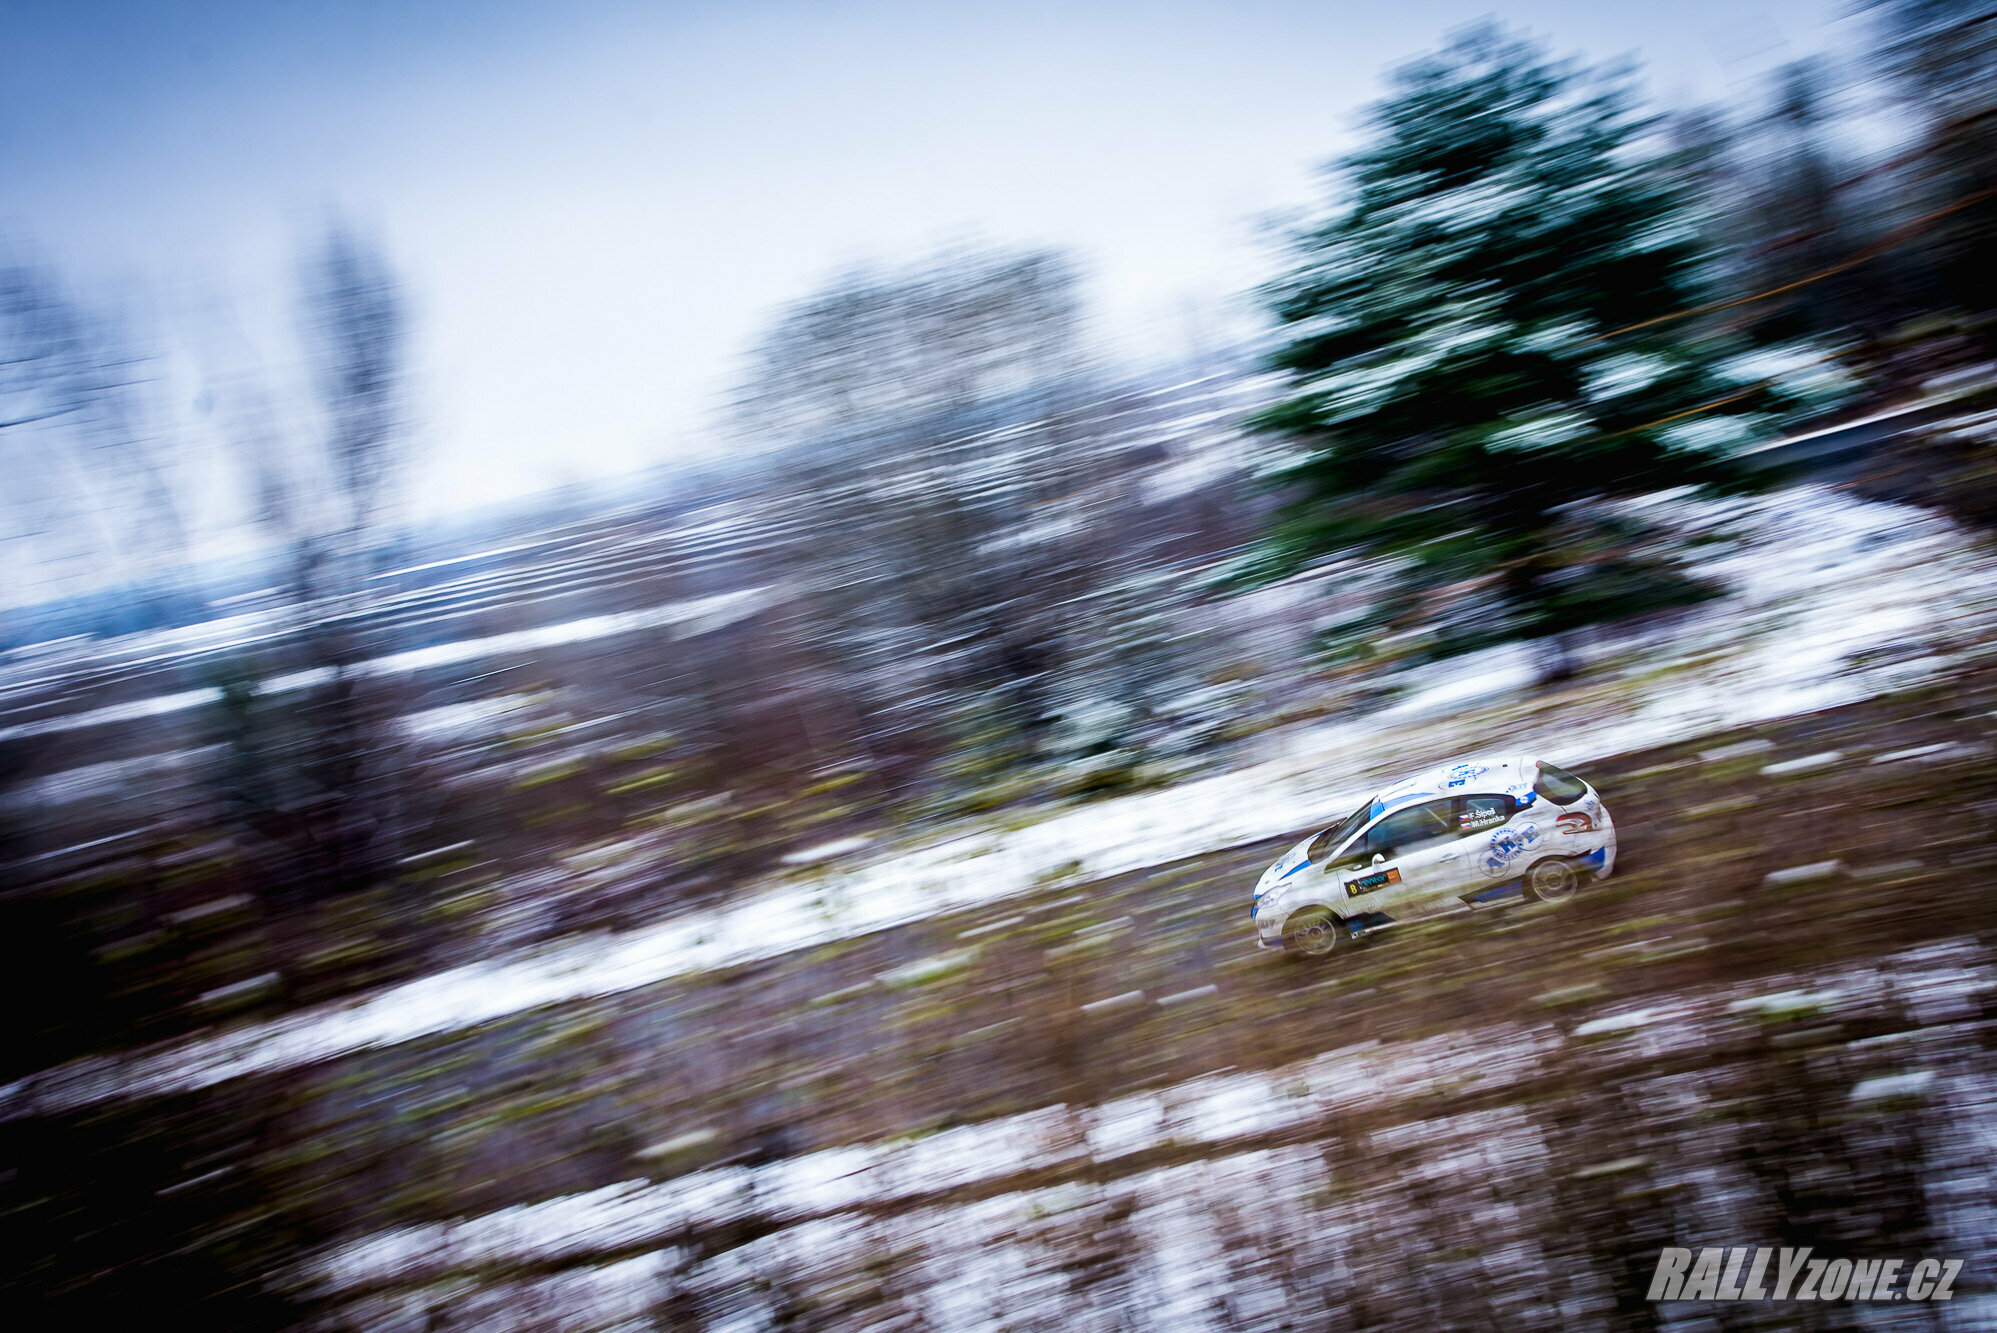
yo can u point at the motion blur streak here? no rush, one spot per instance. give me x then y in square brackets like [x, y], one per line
[803, 883]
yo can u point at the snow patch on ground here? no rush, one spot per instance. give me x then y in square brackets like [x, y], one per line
[698, 615]
[1825, 578]
[1363, 1120]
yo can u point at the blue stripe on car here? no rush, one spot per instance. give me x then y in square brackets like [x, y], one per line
[1495, 892]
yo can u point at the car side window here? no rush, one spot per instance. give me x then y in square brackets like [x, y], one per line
[1358, 854]
[1558, 787]
[1412, 829]
[1474, 814]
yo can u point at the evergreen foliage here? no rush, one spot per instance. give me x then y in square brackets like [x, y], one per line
[1468, 396]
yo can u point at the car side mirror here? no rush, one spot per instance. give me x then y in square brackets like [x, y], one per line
[1378, 858]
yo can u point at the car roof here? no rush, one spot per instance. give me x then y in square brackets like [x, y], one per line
[1478, 773]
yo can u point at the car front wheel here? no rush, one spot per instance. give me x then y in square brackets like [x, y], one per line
[1552, 881]
[1312, 932]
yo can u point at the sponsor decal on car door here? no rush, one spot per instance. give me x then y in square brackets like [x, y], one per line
[1370, 883]
[1485, 842]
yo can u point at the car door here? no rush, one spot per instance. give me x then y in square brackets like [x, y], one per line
[1478, 815]
[1401, 864]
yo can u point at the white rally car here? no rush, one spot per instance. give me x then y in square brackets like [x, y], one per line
[1456, 838]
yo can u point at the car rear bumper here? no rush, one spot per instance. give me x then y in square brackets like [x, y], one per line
[1607, 850]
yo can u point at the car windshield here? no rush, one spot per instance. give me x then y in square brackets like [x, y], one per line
[1324, 843]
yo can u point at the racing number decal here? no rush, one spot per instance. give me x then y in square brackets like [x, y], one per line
[1368, 883]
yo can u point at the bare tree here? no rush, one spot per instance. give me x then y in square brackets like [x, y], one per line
[91, 492]
[941, 435]
[1802, 228]
[1941, 57]
[318, 774]
[356, 327]
[876, 349]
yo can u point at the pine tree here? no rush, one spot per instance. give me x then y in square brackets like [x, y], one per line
[1467, 394]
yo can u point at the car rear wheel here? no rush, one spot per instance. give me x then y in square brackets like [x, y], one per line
[1552, 881]
[1312, 932]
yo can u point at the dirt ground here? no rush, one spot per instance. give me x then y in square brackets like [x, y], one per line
[1074, 993]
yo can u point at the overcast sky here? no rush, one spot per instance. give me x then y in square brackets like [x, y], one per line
[596, 206]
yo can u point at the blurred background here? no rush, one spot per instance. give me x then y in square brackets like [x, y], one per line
[647, 654]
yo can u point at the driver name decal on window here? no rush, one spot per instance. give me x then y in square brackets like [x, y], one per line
[1368, 883]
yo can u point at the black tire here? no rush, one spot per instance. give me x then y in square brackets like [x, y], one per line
[1552, 880]
[1313, 932]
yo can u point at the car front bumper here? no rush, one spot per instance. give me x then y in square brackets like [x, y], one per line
[1268, 925]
